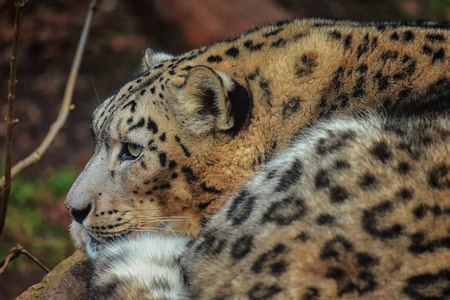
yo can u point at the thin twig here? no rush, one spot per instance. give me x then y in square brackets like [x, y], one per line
[10, 118]
[63, 113]
[15, 253]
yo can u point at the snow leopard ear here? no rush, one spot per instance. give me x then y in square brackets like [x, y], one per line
[151, 58]
[212, 101]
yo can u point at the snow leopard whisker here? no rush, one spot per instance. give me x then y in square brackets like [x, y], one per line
[162, 219]
[153, 229]
[180, 217]
[168, 227]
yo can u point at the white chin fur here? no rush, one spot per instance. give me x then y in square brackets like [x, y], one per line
[148, 263]
[79, 236]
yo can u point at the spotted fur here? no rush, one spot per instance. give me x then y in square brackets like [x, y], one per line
[356, 208]
[204, 121]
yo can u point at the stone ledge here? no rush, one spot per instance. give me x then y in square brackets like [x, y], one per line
[68, 280]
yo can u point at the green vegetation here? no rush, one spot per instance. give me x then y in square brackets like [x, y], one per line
[37, 220]
[437, 9]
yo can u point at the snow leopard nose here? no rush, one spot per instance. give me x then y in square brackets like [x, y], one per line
[79, 214]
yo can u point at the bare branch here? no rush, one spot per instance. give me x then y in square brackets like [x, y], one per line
[10, 118]
[37, 261]
[63, 113]
[15, 253]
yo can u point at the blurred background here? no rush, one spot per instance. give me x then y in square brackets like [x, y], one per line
[120, 32]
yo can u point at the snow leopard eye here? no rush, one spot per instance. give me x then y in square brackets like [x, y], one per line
[130, 151]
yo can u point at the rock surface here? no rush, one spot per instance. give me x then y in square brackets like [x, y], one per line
[68, 280]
